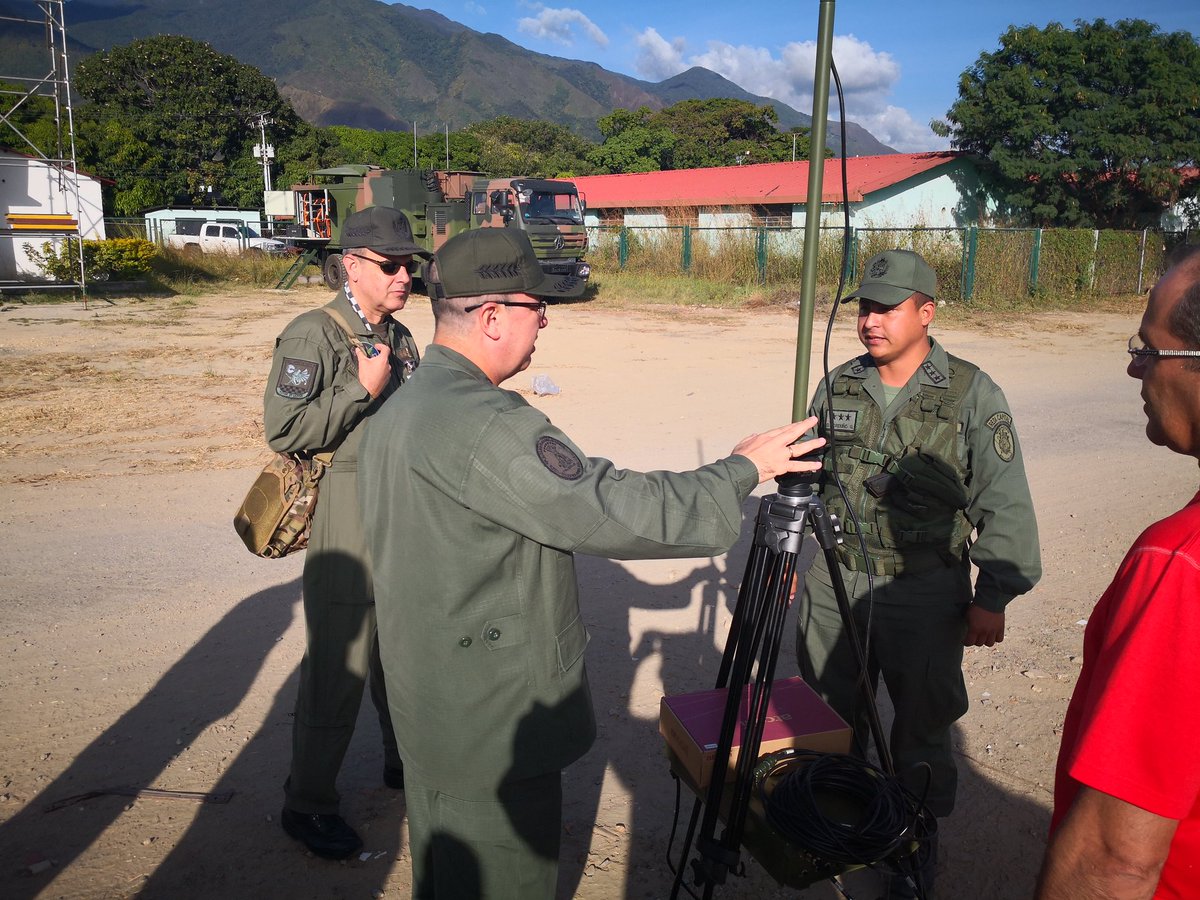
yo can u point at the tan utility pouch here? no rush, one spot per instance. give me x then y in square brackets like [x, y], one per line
[276, 516]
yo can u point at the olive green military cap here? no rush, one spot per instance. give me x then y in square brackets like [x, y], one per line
[891, 277]
[489, 261]
[382, 229]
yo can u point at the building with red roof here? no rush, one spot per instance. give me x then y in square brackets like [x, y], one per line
[901, 190]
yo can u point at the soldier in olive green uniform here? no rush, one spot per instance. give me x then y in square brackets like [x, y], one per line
[475, 504]
[324, 385]
[926, 448]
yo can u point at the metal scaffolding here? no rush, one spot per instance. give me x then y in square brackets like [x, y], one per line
[54, 85]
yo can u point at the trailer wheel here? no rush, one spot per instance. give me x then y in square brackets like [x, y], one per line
[334, 276]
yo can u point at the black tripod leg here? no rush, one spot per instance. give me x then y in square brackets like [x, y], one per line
[826, 537]
[687, 849]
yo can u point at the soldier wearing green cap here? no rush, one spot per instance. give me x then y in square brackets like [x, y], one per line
[324, 386]
[926, 448]
[475, 505]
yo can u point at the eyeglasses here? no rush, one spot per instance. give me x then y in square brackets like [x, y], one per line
[540, 305]
[390, 267]
[1140, 352]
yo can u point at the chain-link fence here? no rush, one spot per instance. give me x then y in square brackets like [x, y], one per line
[972, 264]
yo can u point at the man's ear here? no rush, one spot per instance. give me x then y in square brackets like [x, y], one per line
[927, 311]
[490, 321]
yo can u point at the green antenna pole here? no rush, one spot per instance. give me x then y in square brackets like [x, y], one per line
[812, 216]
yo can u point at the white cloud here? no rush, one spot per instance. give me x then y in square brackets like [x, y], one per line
[868, 79]
[474, 9]
[559, 25]
[658, 58]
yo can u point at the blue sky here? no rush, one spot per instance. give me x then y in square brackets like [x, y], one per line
[899, 62]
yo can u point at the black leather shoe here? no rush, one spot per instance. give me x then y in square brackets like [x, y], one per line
[394, 777]
[324, 834]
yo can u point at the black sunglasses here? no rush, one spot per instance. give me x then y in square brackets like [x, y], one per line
[390, 267]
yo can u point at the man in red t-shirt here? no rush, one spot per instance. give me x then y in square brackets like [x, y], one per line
[1127, 792]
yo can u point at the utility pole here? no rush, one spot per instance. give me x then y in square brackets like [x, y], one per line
[415, 164]
[447, 124]
[263, 150]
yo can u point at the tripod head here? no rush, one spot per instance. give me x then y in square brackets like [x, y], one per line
[799, 485]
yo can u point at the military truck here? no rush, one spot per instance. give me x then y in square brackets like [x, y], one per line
[439, 205]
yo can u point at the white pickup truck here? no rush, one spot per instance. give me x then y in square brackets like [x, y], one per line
[223, 237]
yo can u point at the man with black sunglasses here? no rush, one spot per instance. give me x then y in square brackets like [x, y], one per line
[332, 370]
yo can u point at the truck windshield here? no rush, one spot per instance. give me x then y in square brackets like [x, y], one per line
[546, 208]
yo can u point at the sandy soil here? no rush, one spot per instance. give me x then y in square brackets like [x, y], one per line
[141, 646]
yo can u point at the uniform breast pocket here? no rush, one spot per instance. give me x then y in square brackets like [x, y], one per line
[572, 641]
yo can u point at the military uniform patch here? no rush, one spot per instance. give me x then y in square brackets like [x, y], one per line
[857, 367]
[844, 419]
[932, 373]
[1003, 441]
[297, 379]
[559, 458]
[1000, 418]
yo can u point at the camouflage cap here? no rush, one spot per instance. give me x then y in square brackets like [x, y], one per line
[382, 229]
[488, 261]
[891, 277]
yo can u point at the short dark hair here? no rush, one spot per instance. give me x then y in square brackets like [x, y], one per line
[1184, 320]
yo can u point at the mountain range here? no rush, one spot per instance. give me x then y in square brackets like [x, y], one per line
[385, 66]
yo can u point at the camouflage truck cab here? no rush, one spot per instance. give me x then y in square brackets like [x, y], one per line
[439, 205]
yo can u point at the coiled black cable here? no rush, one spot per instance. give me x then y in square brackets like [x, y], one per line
[843, 809]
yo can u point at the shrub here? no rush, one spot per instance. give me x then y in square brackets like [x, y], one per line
[119, 257]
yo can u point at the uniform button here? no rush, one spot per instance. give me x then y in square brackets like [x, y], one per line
[464, 642]
[493, 634]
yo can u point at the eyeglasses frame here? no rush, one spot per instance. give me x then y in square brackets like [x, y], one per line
[539, 305]
[1143, 353]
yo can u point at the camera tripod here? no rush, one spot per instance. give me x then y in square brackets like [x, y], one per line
[778, 560]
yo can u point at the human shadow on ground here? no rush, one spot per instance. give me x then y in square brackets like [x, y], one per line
[241, 850]
[207, 684]
[998, 826]
[627, 715]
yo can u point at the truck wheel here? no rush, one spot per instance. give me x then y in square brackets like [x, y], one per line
[191, 249]
[334, 276]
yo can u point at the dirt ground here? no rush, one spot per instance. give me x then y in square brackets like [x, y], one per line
[141, 646]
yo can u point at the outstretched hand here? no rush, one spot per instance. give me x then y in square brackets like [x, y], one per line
[776, 452]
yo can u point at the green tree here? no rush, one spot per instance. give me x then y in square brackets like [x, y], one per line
[389, 149]
[510, 146]
[29, 128]
[1084, 127]
[172, 118]
[724, 132]
[693, 134]
[631, 143]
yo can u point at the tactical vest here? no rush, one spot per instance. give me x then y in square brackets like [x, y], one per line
[909, 496]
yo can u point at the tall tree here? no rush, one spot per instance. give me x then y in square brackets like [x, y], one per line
[632, 144]
[693, 134]
[509, 146]
[1092, 126]
[169, 117]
